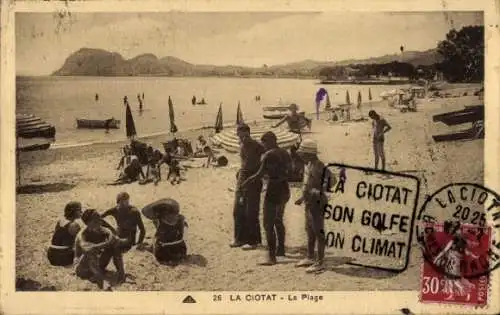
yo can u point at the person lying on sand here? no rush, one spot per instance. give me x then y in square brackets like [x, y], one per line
[294, 120]
[313, 195]
[91, 243]
[169, 245]
[60, 252]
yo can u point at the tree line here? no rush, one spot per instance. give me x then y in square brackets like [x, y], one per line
[462, 55]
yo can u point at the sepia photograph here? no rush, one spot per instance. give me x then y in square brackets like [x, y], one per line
[247, 151]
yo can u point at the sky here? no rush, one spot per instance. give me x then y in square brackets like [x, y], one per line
[44, 41]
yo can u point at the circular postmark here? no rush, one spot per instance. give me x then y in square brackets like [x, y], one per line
[458, 228]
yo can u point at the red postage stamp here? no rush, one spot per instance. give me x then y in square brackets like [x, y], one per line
[456, 264]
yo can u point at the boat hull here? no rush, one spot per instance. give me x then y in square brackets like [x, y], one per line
[273, 116]
[467, 115]
[97, 124]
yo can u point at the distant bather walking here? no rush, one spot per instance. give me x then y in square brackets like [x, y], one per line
[140, 102]
[380, 127]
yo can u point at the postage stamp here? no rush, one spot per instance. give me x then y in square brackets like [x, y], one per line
[456, 252]
[458, 232]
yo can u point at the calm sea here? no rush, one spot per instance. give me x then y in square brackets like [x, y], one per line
[60, 100]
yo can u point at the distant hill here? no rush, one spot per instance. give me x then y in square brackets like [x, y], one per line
[98, 62]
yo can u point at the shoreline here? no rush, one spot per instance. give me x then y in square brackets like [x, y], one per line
[182, 133]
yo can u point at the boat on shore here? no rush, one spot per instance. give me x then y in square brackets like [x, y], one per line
[275, 112]
[30, 126]
[97, 124]
[365, 82]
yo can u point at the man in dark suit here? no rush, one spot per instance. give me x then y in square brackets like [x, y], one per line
[247, 201]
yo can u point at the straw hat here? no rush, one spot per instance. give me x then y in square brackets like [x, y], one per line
[167, 205]
[308, 146]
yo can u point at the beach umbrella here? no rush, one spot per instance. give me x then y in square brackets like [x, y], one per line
[359, 99]
[239, 115]
[129, 122]
[32, 134]
[171, 114]
[369, 94]
[218, 121]
[347, 98]
[328, 103]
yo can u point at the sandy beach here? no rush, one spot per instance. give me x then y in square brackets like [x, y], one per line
[206, 202]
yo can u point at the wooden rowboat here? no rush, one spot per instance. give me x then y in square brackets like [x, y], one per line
[97, 124]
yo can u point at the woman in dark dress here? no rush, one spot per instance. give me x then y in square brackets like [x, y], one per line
[61, 251]
[169, 245]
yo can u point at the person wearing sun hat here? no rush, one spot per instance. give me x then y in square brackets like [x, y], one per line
[314, 199]
[169, 245]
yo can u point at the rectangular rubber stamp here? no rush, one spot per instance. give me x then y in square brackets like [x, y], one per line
[369, 216]
[453, 270]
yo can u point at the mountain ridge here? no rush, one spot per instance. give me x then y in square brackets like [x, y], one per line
[100, 62]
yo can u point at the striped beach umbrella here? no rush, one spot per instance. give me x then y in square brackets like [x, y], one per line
[129, 122]
[239, 115]
[218, 120]
[229, 141]
[171, 115]
[347, 98]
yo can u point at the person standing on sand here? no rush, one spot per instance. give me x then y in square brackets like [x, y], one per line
[380, 126]
[314, 198]
[276, 163]
[128, 220]
[247, 202]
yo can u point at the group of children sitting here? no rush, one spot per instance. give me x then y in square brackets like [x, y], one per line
[92, 245]
[138, 154]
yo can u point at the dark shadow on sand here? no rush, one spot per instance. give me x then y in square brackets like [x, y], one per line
[362, 272]
[23, 284]
[44, 188]
[190, 260]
